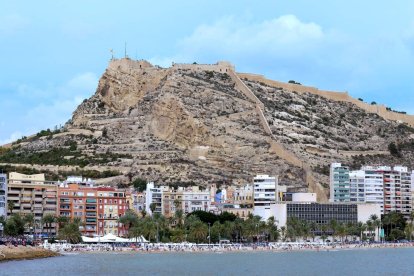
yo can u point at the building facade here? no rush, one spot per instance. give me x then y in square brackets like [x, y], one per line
[153, 198]
[3, 195]
[321, 213]
[391, 188]
[339, 183]
[187, 199]
[80, 202]
[32, 194]
[112, 204]
[98, 208]
[264, 190]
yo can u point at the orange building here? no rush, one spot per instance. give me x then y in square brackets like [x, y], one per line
[76, 201]
[99, 208]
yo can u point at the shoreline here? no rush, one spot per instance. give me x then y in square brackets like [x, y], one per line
[189, 249]
[13, 253]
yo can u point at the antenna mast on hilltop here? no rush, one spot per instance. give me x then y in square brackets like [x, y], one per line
[126, 50]
[112, 53]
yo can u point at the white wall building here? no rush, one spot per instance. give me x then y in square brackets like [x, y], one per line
[319, 213]
[264, 187]
[304, 197]
[153, 195]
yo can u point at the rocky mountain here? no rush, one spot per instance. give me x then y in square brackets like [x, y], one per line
[209, 124]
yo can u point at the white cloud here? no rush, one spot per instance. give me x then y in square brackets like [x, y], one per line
[277, 37]
[12, 23]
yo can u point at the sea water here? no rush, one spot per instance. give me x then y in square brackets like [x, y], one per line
[343, 262]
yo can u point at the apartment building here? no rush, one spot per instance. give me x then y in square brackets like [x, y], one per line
[78, 201]
[99, 208]
[243, 195]
[3, 195]
[264, 190]
[339, 183]
[112, 204]
[390, 188]
[32, 194]
[136, 201]
[188, 199]
[153, 198]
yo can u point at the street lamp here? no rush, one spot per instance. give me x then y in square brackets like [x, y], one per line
[209, 236]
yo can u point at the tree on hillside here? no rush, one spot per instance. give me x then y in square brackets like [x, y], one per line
[139, 184]
[394, 150]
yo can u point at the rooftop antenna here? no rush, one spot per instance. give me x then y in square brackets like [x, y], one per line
[126, 50]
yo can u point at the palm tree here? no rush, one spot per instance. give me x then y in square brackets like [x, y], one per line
[333, 224]
[70, 232]
[341, 231]
[129, 219]
[324, 230]
[10, 206]
[305, 229]
[370, 228]
[198, 231]
[47, 220]
[376, 223]
[61, 221]
[272, 231]
[361, 228]
[409, 229]
[283, 232]
[29, 221]
[313, 228]
[153, 206]
[179, 217]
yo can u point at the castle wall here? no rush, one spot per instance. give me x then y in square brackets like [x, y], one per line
[381, 110]
[219, 67]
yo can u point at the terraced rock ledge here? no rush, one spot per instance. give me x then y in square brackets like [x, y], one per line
[24, 253]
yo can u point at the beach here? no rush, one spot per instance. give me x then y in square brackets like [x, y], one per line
[200, 248]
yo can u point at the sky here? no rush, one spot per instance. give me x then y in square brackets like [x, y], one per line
[52, 53]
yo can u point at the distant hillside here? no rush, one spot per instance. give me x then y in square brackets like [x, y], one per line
[207, 123]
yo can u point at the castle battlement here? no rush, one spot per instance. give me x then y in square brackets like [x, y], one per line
[220, 67]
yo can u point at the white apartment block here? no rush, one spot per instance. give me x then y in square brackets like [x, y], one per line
[264, 187]
[153, 195]
[391, 188]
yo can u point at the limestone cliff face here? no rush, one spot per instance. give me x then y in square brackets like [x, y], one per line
[208, 124]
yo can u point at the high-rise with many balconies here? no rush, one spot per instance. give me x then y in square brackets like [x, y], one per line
[32, 194]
